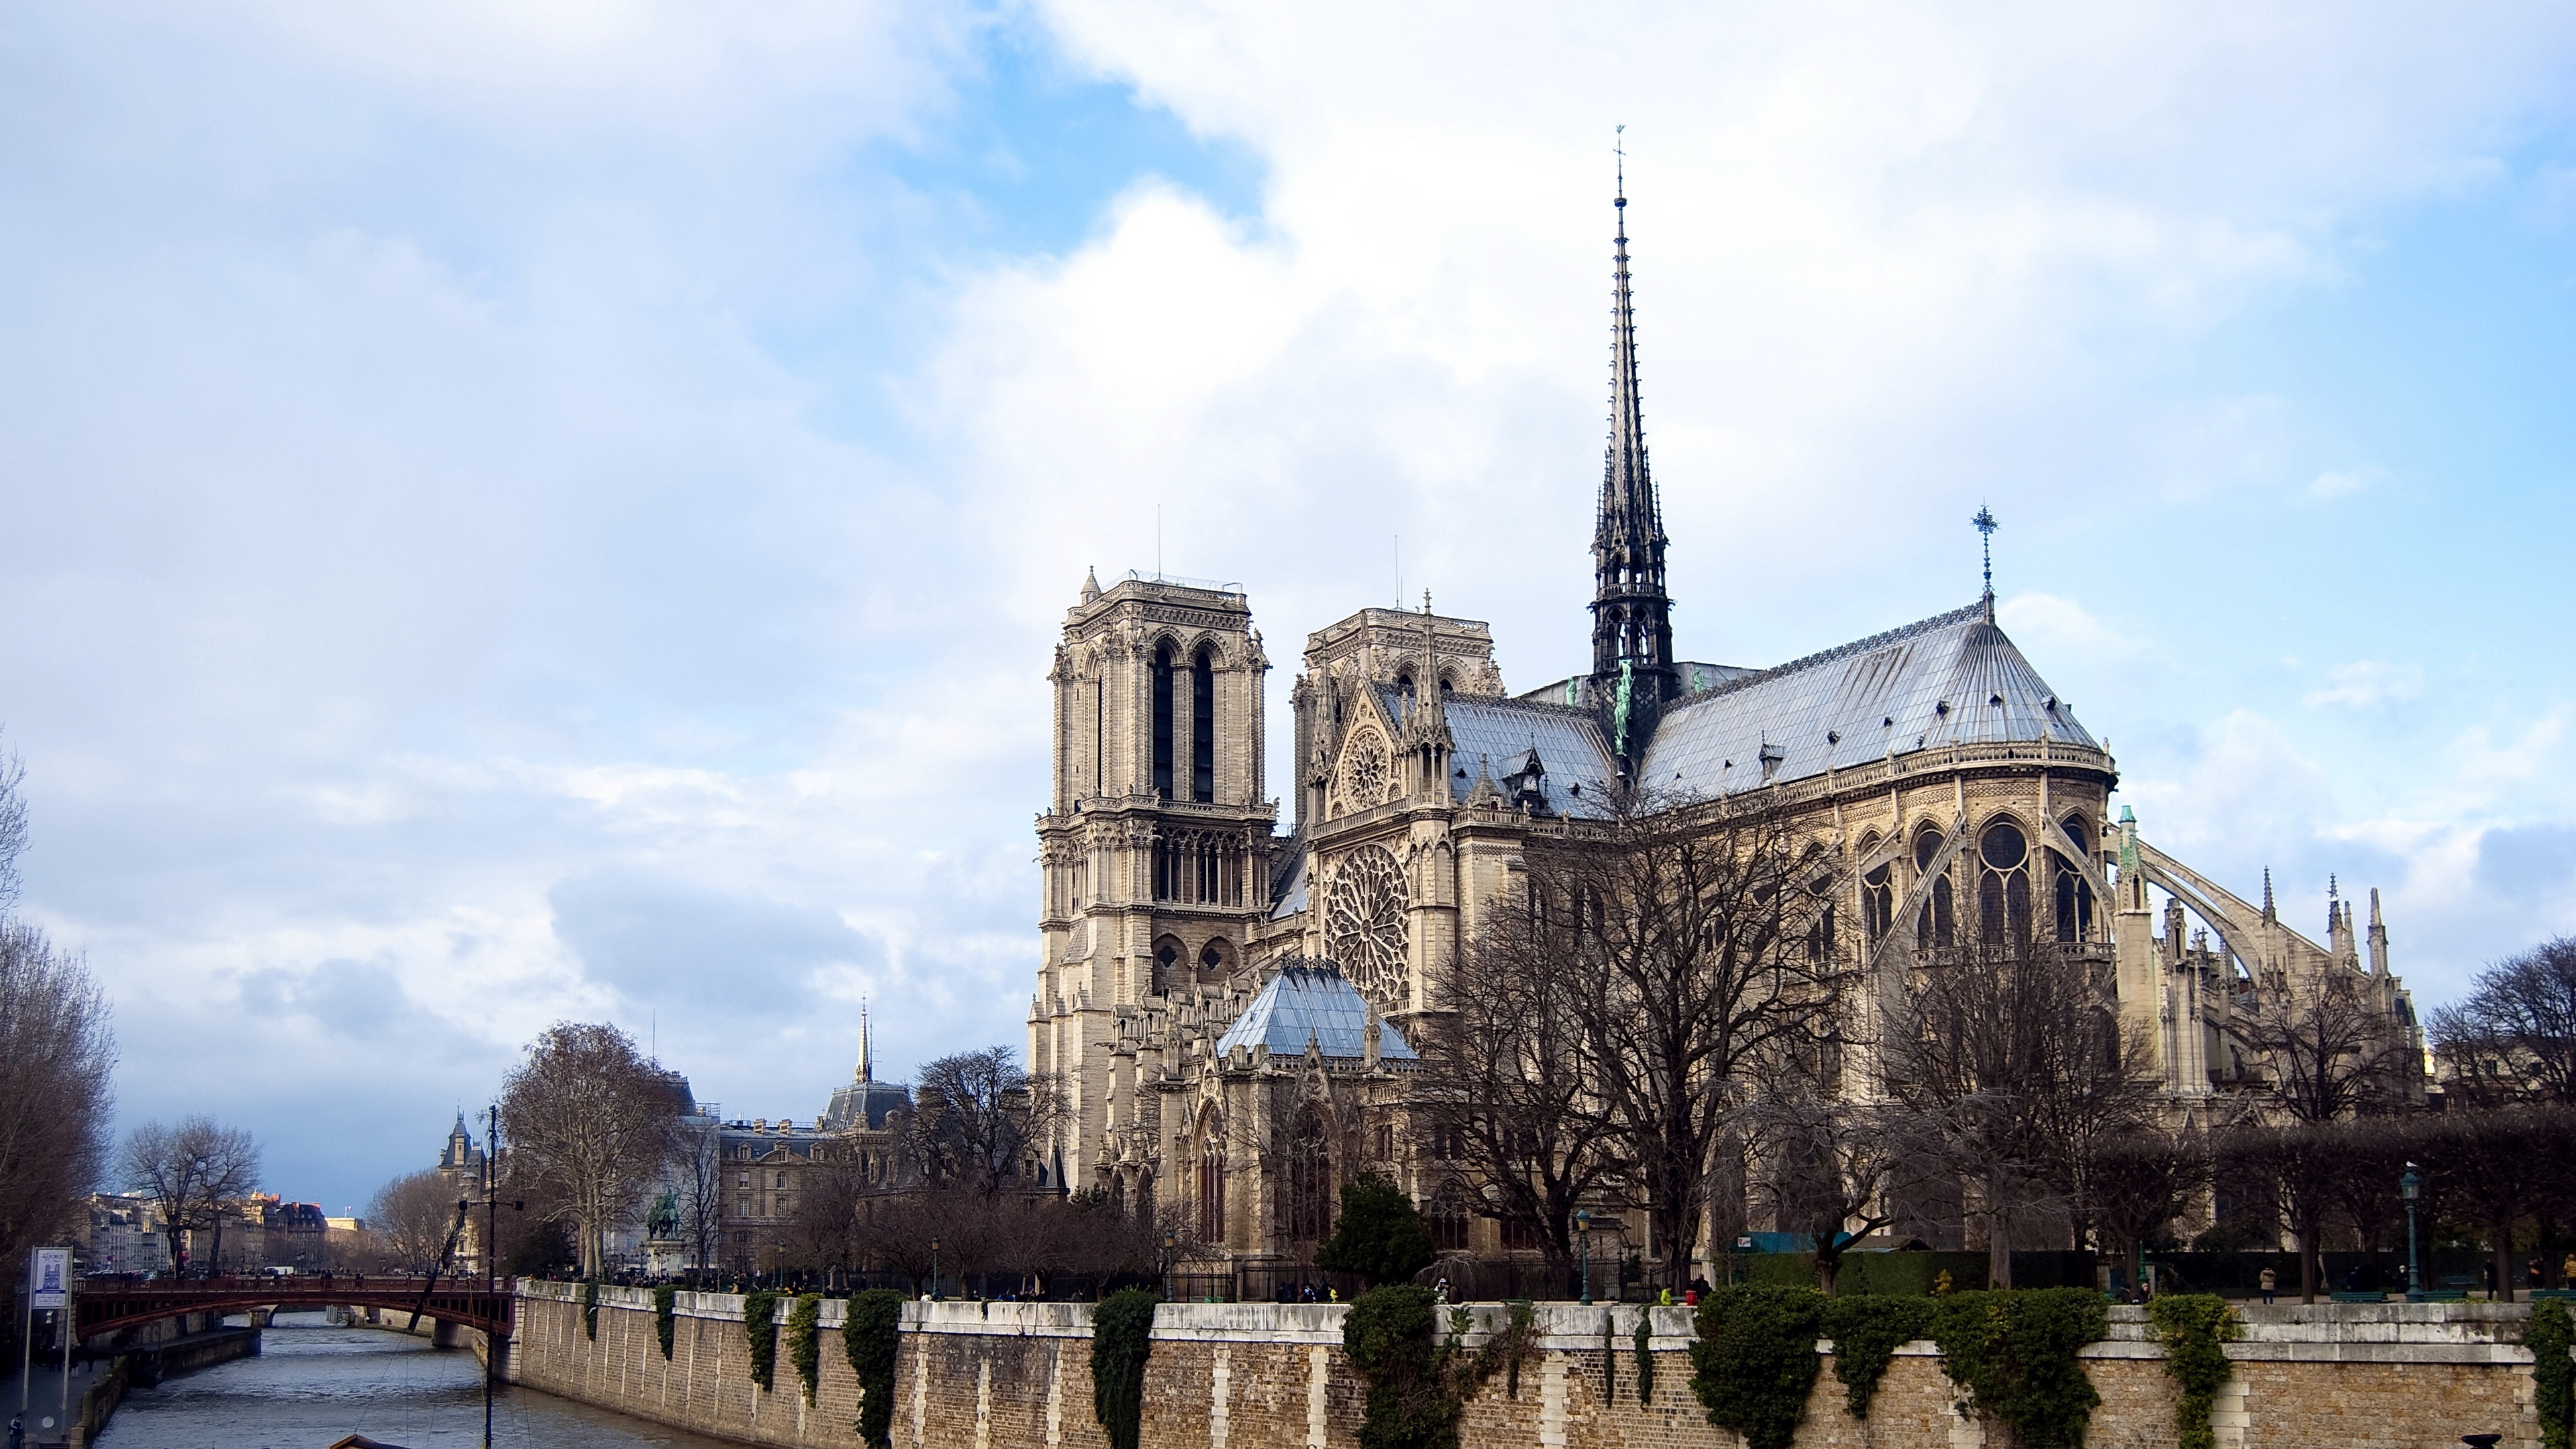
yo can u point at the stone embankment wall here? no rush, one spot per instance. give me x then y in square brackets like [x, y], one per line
[1262, 1376]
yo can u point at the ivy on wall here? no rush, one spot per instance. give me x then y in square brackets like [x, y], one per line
[1867, 1330]
[590, 1308]
[2013, 1350]
[2192, 1326]
[872, 1335]
[1645, 1356]
[760, 1330]
[1122, 1334]
[2549, 1335]
[1755, 1359]
[804, 1346]
[666, 1301]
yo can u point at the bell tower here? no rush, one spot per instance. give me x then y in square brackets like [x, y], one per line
[1155, 851]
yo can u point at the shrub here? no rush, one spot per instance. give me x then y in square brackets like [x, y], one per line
[1866, 1332]
[1755, 1360]
[804, 1348]
[666, 1300]
[1645, 1356]
[1122, 1330]
[1381, 1235]
[872, 1335]
[760, 1330]
[590, 1308]
[1390, 1336]
[2552, 1330]
[2192, 1326]
[2014, 1352]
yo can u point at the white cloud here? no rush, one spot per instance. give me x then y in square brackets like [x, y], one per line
[2367, 684]
[2331, 485]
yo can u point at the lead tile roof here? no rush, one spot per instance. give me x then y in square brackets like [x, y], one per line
[1311, 1001]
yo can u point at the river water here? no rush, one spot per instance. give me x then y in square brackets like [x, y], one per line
[313, 1384]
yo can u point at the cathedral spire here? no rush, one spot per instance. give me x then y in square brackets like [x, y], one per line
[865, 1074]
[1631, 616]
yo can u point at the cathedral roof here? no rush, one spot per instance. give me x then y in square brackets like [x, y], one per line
[1312, 1002]
[1951, 679]
[1568, 741]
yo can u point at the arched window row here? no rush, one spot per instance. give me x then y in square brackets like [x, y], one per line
[1199, 867]
[2000, 861]
[1169, 677]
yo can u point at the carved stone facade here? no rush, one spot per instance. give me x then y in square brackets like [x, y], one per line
[1953, 793]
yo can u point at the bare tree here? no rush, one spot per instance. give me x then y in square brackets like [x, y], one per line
[2011, 1060]
[1832, 1162]
[2331, 1050]
[822, 1232]
[978, 1117]
[194, 1171]
[2139, 1180]
[590, 1123]
[2513, 1037]
[56, 1057]
[411, 1217]
[1506, 1087]
[13, 825]
[697, 1170]
[2497, 1166]
[1698, 940]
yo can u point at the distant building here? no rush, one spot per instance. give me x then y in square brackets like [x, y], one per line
[123, 1234]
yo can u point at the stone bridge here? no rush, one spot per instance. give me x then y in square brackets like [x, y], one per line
[105, 1306]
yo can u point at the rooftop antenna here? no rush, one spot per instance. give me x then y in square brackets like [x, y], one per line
[1986, 526]
[1158, 543]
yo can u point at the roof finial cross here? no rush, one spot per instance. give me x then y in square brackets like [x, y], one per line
[1986, 526]
[1619, 149]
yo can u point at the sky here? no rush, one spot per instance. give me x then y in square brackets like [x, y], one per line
[560, 509]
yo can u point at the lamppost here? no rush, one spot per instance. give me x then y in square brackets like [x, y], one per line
[1583, 1235]
[1171, 1240]
[2410, 1187]
[934, 1270]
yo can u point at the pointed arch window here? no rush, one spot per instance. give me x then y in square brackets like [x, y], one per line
[1162, 706]
[2074, 893]
[1212, 1180]
[2003, 885]
[1449, 1220]
[1202, 727]
[1305, 1189]
[1936, 925]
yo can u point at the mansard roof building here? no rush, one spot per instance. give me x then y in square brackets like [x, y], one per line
[1227, 1001]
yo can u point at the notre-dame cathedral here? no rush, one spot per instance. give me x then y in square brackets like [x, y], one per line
[1226, 1003]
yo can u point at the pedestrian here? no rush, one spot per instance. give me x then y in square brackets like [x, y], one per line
[2533, 1277]
[1443, 1289]
[17, 1431]
[2269, 1281]
[2567, 1272]
[1698, 1286]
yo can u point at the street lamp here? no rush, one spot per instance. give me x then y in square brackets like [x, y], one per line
[2410, 1187]
[1583, 1235]
[934, 1270]
[1171, 1240]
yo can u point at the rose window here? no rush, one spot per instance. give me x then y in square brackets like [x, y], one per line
[1364, 928]
[1364, 771]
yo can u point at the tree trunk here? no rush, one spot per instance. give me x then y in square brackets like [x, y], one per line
[2308, 1264]
[2504, 1261]
[1999, 1247]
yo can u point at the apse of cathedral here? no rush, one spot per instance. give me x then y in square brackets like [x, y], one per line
[1226, 996]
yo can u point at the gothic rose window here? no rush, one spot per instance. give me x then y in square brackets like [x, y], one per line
[1364, 772]
[1364, 927]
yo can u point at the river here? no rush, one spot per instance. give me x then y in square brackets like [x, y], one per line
[313, 1384]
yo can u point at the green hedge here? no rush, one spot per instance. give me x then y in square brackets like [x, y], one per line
[804, 1342]
[2014, 1352]
[665, 1309]
[2192, 1326]
[2551, 1332]
[1867, 1331]
[760, 1330]
[872, 1335]
[1122, 1330]
[1755, 1360]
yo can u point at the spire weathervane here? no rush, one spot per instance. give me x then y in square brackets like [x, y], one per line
[1986, 526]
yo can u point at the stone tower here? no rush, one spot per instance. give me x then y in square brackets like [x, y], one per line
[1155, 852]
